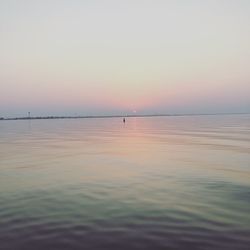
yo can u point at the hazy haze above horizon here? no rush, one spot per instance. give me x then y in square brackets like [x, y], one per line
[115, 57]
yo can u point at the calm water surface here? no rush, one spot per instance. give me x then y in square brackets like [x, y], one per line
[152, 183]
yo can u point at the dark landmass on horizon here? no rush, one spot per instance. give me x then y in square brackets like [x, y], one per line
[111, 116]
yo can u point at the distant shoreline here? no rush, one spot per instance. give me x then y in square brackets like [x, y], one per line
[109, 116]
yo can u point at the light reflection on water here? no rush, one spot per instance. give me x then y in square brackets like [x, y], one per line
[151, 183]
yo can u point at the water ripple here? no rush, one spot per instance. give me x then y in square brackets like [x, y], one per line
[153, 183]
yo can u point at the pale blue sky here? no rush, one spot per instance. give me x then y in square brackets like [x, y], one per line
[104, 57]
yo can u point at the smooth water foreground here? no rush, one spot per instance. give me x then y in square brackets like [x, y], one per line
[151, 183]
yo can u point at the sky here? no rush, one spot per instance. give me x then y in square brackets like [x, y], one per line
[90, 57]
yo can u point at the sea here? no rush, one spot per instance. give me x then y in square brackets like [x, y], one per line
[174, 182]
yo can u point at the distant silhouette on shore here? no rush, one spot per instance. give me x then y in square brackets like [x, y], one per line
[124, 120]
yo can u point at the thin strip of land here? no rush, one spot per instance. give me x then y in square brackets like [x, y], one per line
[110, 116]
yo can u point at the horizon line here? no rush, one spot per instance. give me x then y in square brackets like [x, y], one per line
[116, 116]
